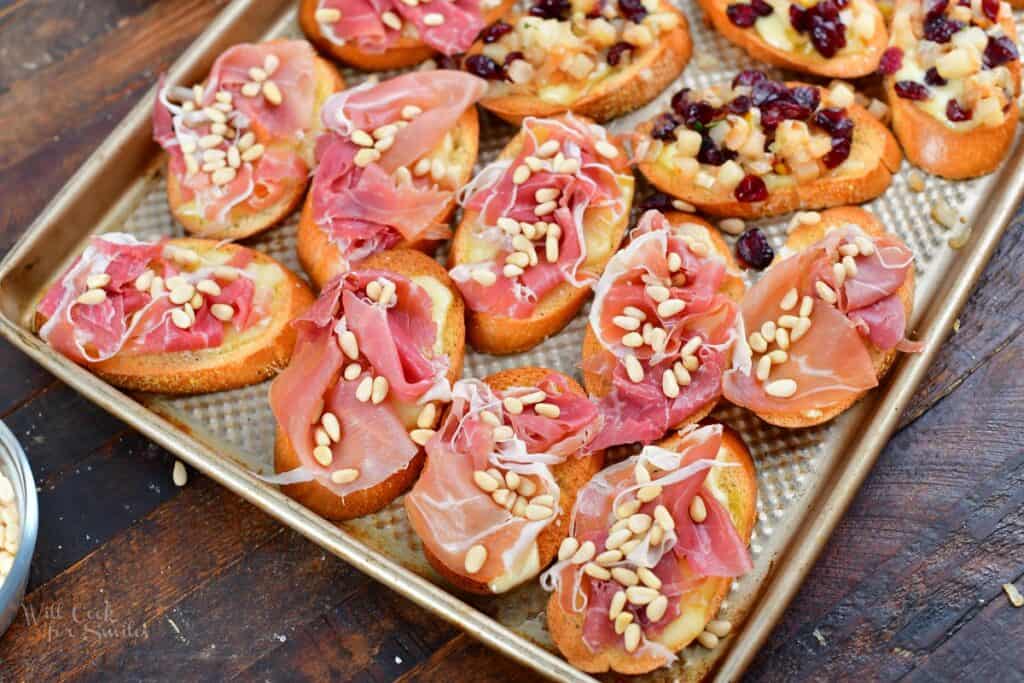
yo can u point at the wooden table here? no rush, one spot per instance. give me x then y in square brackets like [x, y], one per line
[135, 576]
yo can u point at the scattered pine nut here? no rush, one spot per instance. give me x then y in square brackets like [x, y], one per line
[179, 474]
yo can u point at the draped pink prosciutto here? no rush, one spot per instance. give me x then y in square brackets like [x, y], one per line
[360, 23]
[394, 342]
[446, 508]
[280, 128]
[129, 321]
[495, 195]
[640, 411]
[831, 362]
[691, 553]
[366, 209]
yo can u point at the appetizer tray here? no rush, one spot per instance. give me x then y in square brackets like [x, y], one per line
[806, 477]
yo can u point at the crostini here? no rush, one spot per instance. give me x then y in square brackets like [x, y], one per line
[240, 145]
[596, 58]
[493, 502]
[824, 323]
[952, 76]
[388, 34]
[373, 366]
[538, 226]
[758, 147]
[655, 543]
[661, 329]
[388, 169]
[834, 38]
[182, 316]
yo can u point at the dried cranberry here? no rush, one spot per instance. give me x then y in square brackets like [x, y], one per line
[659, 201]
[762, 8]
[912, 90]
[743, 16]
[932, 78]
[664, 127]
[711, 154]
[768, 91]
[956, 113]
[748, 77]
[739, 105]
[940, 29]
[633, 10]
[495, 31]
[934, 8]
[891, 62]
[776, 111]
[751, 189]
[551, 9]
[999, 51]
[835, 122]
[827, 35]
[485, 67]
[752, 247]
[596, 11]
[990, 8]
[697, 115]
[513, 56]
[679, 101]
[839, 153]
[799, 19]
[807, 97]
[447, 62]
[616, 51]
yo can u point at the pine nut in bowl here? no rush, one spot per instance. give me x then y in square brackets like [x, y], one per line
[18, 511]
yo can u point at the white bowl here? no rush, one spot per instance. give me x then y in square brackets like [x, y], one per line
[15, 467]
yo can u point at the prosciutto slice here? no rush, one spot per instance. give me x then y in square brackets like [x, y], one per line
[686, 555]
[641, 411]
[395, 341]
[831, 362]
[280, 128]
[364, 209]
[361, 23]
[495, 195]
[133, 321]
[451, 513]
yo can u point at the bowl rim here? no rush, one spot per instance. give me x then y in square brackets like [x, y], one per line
[28, 509]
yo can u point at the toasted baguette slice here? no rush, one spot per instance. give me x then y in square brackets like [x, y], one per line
[407, 50]
[736, 488]
[255, 355]
[322, 259]
[452, 335]
[848, 64]
[874, 149]
[649, 71]
[499, 334]
[733, 287]
[243, 221]
[803, 236]
[570, 475]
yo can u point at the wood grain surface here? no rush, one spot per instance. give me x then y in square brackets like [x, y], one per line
[138, 579]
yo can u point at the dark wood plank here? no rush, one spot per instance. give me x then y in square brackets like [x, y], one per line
[464, 659]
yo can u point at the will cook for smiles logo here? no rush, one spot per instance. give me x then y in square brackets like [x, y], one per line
[95, 623]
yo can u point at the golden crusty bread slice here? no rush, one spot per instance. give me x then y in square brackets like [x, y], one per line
[452, 335]
[874, 148]
[849, 64]
[736, 488]
[733, 287]
[407, 50]
[499, 334]
[570, 475]
[650, 71]
[244, 358]
[243, 221]
[803, 236]
[322, 259]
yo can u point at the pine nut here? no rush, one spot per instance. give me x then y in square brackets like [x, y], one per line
[806, 307]
[641, 474]
[657, 293]
[617, 605]
[634, 312]
[364, 390]
[606, 149]
[866, 246]
[617, 538]
[675, 262]
[671, 307]
[323, 455]
[656, 610]
[320, 437]
[669, 384]
[328, 16]
[538, 512]
[144, 281]
[757, 342]
[708, 640]
[698, 510]
[648, 578]
[380, 389]
[825, 292]
[92, 297]
[719, 627]
[533, 397]
[641, 595]
[608, 558]
[545, 208]
[391, 20]
[632, 340]
[410, 111]
[97, 281]
[484, 277]
[800, 330]
[647, 494]
[839, 273]
[781, 388]
[778, 357]
[768, 329]
[585, 553]
[352, 370]
[520, 175]
[485, 482]
[639, 523]
[631, 637]
[180, 319]
[223, 176]
[513, 405]
[253, 153]
[764, 367]
[623, 621]
[782, 339]
[528, 488]
[691, 346]
[503, 433]
[850, 266]
[366, 156]
[475, 559]
[427, 416]
[627, 510]
[634, 370]
[349, 344]
[569, 546]
[789, 321]
[625, 577]
[420, 437]
[549, 410]
[331, 425]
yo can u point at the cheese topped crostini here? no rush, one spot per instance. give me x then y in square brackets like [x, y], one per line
[661, 329]
[655, 543]
[388, 168]
[758, 147]
[598, 58]
[824, 323]
[373, 366]
[389, 34]
[240, 145]
[836, 38]
[502, 472]
[179, 316]
[539, 225]
[952, 76]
